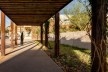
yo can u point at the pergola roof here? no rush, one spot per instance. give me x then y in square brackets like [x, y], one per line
[31, 12]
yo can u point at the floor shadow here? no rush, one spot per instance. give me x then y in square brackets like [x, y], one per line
[22, 47]
[18, 45]
[17, 55]
[30, 60]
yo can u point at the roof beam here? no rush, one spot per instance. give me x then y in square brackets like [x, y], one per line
[31, 11]
[34, 1]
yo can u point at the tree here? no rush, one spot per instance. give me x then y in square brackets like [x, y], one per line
[78, 16]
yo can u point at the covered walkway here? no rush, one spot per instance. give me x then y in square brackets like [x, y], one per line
[37, 13]
[28, 58]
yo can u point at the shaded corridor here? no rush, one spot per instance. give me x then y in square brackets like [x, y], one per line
[28, 58]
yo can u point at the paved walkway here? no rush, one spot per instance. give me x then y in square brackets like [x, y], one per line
[28, 58]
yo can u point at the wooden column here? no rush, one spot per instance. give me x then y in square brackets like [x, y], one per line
[56, 35]
[12, 35]
[20, 29]
[2, 34]
[98, 46]
[42, 33]
[16, 34]
[46, 33]
[33, 31]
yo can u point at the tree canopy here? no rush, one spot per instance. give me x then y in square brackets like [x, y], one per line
[78, 14]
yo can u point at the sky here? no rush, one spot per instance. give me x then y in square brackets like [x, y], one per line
[7, 20]
[73, 3]
[69, 6]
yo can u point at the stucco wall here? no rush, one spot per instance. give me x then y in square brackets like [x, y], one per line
[79, 39]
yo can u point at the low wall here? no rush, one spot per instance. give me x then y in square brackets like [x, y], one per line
[78, 39]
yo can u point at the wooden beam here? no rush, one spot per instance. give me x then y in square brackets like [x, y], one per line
[16, 34]
[41, 33]
[2, 34]
[98, 46]
[32, 1]
[56, 35]
[32, 32]
[23, 24]
[46, 33]
[46, 8]
[12, 35]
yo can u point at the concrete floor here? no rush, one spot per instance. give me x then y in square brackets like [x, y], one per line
[28, 58]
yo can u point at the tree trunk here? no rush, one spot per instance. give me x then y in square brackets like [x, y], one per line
[56, 35]
[98, 46]
[46, 33]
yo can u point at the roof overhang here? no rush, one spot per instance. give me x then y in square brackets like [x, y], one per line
[31, 12]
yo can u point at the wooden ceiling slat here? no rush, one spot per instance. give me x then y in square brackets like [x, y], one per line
[31, 12]
[36, 1]
[29, 24]
[31, 5]
[20, 3]
[18, 22]
[29, 16]
[28, 20]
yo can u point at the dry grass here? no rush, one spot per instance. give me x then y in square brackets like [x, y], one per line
[71, 59]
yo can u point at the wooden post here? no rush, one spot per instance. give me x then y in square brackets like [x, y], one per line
[20, 29]
[42, 33]
[33, 31]
[98, 46]
[2, 34]
[12, 36]
[46, 33]
[56, 35]
[16, 34]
